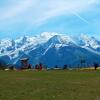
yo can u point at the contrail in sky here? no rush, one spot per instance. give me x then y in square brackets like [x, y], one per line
[80, 17]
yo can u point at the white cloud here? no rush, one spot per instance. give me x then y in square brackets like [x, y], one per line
[15, 9]
[38, 11]
[58, 7]
[62, 7]
[46, 7]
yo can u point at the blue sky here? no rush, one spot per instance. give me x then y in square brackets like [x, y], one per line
[31, 17]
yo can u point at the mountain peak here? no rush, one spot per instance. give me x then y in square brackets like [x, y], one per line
[48, 35]
[56, 39]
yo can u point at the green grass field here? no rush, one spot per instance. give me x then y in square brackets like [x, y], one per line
[50, 85]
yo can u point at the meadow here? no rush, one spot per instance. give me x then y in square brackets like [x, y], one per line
[50, 85]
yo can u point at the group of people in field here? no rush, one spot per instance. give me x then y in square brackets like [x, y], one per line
[39, 66]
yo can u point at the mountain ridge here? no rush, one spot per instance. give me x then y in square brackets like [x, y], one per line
[51, 49]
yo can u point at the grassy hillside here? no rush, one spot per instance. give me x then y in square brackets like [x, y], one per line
[50, 85]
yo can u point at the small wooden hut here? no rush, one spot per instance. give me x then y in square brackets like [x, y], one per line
[24, 63]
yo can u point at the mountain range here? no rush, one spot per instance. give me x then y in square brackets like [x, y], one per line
[51, 49]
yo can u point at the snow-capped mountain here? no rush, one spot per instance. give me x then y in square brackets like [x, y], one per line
[51, 49]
